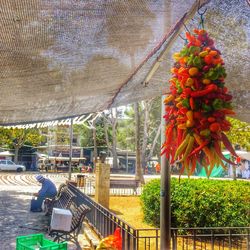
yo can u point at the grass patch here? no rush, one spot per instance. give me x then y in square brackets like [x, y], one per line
[129, 209]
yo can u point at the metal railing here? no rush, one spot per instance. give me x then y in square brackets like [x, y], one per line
[105, 222]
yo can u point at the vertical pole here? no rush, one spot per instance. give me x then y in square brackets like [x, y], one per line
[138, 170]
[126, 149]
[165, 209]
[70, 146]
[127, 160]
[94, 140]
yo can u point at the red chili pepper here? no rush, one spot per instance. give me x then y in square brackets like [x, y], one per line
[193, 164]
[228, 145]
[226, 123]
[211, 119]
[208, 59]
[203, 121]
[187, 91]
[228, 97]
[219, 114]
[183, 111]
[219, 153]
[214, 127]
[179, 136]
[191, 103]
[225, 89]
[169, 133]
[199, 148]
[209, 89]
[228, 111]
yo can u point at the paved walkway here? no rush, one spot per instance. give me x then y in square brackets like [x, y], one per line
[15, 217]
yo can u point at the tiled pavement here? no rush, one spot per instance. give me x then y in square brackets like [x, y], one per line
[16, 220]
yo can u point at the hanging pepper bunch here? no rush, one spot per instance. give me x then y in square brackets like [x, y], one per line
[197, 107]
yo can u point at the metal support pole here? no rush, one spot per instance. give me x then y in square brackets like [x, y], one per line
[165, 209]
[70, 146]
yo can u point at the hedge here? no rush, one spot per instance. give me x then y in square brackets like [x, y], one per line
[200, 203]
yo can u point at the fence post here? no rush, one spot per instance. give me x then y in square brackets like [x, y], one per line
[194, 239]
[248, 239]
[212, 240]
[174, 239]
[230, 240]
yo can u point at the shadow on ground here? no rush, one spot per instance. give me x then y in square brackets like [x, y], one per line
[16, 220]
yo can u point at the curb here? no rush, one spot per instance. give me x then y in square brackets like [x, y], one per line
[90, 236]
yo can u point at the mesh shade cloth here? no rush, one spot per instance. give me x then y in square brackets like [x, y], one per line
[65, 58]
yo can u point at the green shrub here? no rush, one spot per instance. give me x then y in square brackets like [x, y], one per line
[200, 203]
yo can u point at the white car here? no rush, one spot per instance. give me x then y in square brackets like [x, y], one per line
[8, 165]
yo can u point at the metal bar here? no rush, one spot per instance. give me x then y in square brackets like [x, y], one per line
[174, 239]
[248, 239]
[70, 146]
[230, 239]
[156, 240]
[165, 207]
[212, 240]
[135, 239]
[128, 236]
[194, 239]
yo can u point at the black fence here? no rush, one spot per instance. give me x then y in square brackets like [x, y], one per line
[104, 223]
[88, 187]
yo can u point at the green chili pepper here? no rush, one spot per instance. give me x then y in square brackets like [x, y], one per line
[185, 103]
[184, 52]
[206, 108]
[194, 49]
[217, 104]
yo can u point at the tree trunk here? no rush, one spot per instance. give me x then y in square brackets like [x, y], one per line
[114, 144]
[16, 154]
[113, 122]
[145, 136]
[154, 143]
[138, 169]
[106, 134]
[95, 145]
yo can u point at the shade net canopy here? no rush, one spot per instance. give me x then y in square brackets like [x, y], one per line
[66, 58]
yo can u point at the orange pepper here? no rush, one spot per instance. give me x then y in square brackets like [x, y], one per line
[206, 81]
[193, 71]
[168, 99]
[213, 53]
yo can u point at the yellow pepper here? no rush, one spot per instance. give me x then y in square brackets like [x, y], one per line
[190, 115]
[189, 82]
[203, 53]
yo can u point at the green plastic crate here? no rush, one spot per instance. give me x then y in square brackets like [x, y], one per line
[37, 241]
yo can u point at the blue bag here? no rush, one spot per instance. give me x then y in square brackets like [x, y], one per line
[34, 205]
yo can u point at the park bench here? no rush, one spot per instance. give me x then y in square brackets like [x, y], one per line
[63, 200]
[79, 213]
[125, 183]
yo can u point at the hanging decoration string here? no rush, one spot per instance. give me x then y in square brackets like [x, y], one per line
[201, 14]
